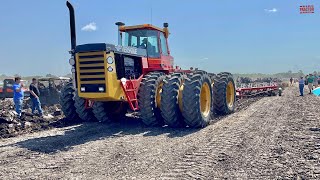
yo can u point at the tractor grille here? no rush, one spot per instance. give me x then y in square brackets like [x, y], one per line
[91, 71]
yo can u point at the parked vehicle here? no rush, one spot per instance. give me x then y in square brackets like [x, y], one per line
[6, 91]
[50, 88]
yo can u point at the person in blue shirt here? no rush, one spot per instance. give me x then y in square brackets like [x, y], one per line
[301, 86]
[18, 95]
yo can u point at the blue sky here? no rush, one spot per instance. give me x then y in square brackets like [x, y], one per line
[238, 36]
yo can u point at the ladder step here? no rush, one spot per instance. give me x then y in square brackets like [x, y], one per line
[131, 96]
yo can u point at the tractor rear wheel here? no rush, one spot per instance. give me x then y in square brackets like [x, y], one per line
[197, 100]
[149, 99]
[107, 111]
[67, 102]
[171, 100]
[224, 93]
[84, 113]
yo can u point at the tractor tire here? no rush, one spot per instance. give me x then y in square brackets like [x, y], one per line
[84, 113]
[224, 94]
[197, 100]
[170, 109]
[201, 72]
[108, 111]
[149, 99]
[100, 112]
[212, 77]
[67, 102]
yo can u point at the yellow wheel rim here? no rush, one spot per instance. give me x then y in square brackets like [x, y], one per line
[230, 94]
[158, 94]
[205, 99]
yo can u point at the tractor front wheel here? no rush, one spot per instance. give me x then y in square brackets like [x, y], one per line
[67, 102]
[107, 111]
[149, 99]
[171, 100]
[84, 113]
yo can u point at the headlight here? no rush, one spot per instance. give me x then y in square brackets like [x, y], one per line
[72, 62]
[73, 70]
[110, 69]
[101, 89]
[110, 60]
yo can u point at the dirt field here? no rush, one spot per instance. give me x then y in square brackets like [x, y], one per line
[274, 138]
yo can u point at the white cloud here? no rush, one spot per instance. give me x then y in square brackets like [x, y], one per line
[205, 58]
[273, 10]
[90, 27]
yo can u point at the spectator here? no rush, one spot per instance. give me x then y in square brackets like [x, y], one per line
[291, 81]
[310, 82]
[315, 80]
[18, 95]
[306, 82]
[301, 86]
[34, 95]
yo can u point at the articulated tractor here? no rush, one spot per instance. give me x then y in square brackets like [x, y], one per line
[138, 74]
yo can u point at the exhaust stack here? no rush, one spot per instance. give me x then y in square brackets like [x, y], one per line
[119, 24]
[72, 27]
[166, 30]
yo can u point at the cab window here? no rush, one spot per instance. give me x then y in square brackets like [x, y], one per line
[163, 45]
[131, 41]
[145, 39]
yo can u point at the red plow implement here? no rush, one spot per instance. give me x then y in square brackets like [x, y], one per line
[270, 89]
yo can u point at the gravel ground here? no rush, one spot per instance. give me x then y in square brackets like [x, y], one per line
[274, 138]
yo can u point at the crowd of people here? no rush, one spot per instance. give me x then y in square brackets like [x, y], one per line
[311, 80]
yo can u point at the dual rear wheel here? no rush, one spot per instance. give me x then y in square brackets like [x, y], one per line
[224, 93]
[197, 100]
[185, 99]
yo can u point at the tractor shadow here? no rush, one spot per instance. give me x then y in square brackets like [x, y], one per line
[87, 132]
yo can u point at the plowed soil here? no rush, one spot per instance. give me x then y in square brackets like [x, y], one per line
[11, 125]
[274, 138]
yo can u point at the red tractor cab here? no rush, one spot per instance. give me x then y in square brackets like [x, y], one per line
[151, 38]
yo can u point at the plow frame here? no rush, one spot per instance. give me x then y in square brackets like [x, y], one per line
[253, 91]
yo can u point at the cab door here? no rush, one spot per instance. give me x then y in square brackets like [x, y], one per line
[167, 59]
